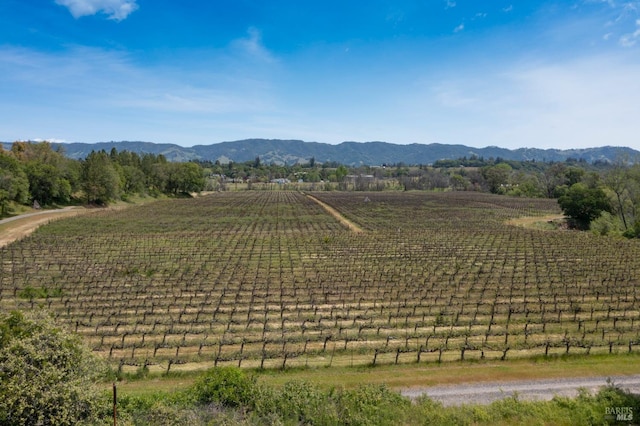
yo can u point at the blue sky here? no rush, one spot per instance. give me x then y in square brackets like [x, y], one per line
[513, 73]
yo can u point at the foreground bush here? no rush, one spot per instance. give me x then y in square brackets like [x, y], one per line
[46, 374]
[227, 386]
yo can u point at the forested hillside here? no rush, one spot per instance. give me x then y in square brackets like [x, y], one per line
[288, 152]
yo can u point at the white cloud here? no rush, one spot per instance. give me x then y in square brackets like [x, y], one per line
[562, 103]
[582, 102]
[458, 28]
[629, 40]
[253, 47]
[450, 4]
[115, 9]
[89, 94]
[52, 140]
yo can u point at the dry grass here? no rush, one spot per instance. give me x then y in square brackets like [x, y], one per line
[538, 222]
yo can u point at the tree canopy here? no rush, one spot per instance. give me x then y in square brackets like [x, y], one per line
[31, 172]
[584, 204]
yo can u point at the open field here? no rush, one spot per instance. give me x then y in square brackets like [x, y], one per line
[271, 279]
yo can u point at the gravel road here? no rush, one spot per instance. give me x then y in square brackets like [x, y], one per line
[22, 216]
[485, 393]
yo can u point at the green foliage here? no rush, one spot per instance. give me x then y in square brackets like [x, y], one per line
[101, 181]
[303, 403]
[46, 375]
[184, 177]
[369, 405]
[47, 183]
[227, 386]
[341, 173]
[607, 224]
[497, 177]
[38, 171]
[574, 175]
[586, 409]
[612, 397]
[583, 204]
[14, 185]
[634, 231]
[39, 293]
[170, 409]
[299, 403]
[133, 179]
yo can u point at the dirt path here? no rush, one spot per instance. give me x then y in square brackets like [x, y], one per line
[336, 214]
[14, 228]
[540, 390]
[532, 221]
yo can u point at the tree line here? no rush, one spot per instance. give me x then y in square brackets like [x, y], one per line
[40, 174]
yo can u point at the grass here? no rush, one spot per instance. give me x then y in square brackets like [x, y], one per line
[412, 375]
[543, 223]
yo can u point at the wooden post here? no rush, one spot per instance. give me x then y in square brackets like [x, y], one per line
[115, 402]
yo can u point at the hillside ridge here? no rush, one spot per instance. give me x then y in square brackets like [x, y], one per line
[281, 151]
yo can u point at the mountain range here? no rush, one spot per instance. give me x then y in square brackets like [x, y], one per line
[349, 153]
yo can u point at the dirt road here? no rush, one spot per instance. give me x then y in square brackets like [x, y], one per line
[336, 214]
[25, 224]
[487, 392]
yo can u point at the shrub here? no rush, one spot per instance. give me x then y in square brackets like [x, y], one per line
[46, 374]
[373, 405]
[228, 386]
[633, 232]
[607, 224]
[305, 403]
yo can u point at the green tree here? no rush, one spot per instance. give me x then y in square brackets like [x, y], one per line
[100, 180]
[458, 182]
[497, 177]
[621, 181]
[52, 176]
[584, 204]
[184, 177]
[47, 377]
[574, 175]
[133, 180]
[47, 183]
[341, 173]
[527, 185]
[553, 178]
[14, 185]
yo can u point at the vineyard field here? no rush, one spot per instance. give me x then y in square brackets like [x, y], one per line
[271, 279]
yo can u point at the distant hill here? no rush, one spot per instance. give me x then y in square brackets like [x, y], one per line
[349, 153]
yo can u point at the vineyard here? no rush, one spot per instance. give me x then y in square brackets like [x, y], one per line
[270, 279]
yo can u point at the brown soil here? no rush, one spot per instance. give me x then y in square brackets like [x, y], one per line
[21, 227]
